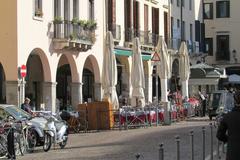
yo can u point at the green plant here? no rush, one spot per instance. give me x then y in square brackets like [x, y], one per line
[73, 36]
[91, 24]
[38, 13]
[82, 23]
[58, 19]
[75, 20]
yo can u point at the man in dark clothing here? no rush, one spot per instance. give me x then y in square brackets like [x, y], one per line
[229, 130]
[26, 106]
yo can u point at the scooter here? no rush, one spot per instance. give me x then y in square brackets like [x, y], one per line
[55, 132]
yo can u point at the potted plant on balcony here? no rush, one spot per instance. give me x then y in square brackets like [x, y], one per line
[91, 25]
[38, 13]
[82, 23]
[58, 20]
[75, 21]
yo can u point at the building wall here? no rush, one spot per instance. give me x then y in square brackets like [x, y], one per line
[229, 26]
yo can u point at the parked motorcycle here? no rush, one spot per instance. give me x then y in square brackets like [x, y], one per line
[55, 132]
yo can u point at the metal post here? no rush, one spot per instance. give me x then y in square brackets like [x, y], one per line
[156, 84]
[157, 117]
[211, 129]
[177, 138]
[119, 119]
[203, 133]
[218, 153]
[10, 144]
[126, 120]
[192, 144]
[161, 152]
[150, 119]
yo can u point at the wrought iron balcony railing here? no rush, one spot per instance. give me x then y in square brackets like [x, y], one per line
[145, 37]
[73, 32]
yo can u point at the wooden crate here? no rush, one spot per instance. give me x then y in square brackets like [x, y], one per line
[99, 114]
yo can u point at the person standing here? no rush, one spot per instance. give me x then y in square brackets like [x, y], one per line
[204, 103]
[26, 106]
[229, 130]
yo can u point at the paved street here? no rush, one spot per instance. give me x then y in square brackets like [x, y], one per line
[123, 145]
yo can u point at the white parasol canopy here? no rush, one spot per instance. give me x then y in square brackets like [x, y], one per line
[163, 69]
[184, 62]
[109, 74]
[137, 75]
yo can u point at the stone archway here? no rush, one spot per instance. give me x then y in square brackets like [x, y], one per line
[2, 85]
[38, 72]
[91, 89]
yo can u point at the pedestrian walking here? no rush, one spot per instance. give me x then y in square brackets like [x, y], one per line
[229, 130]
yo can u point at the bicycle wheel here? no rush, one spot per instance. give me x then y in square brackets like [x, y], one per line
[77, 126]
[3, 146]
[31, 140]
[19, 144]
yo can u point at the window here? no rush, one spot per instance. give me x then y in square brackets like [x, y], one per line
[223, 10]
[57, 8]
[75, 8]
[208, 11]
[178, 23]
[209, 46]
[172, 24]
[183, 3]
[223, 47]
[183, 30]
[38, 8]
[178, 3]
[191, 32]
[190, 5]
[91, 9]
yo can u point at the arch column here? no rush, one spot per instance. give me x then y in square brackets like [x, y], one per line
[148, 88]
[12, 92]
[76, 92]
[97, 92]
[49, 96]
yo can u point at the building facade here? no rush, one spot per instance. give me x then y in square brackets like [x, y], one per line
[62, 43]
[222, 34]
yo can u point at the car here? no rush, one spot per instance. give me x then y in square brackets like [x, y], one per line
[37, 124]
[220, 101]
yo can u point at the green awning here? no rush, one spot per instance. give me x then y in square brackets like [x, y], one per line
[122, 52]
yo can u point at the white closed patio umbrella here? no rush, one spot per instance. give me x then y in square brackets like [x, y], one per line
[137, 76]
[184, 68]
[163, 69]
[109, 73]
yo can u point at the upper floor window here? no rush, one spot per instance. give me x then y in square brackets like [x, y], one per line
[190, 5]
[178, 3]
[209, 46]
[178, 23]
[208, 11]
[223, 9]
[38, 8]
[91, 9]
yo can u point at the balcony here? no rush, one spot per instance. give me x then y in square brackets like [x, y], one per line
[116, 32]
[147, 39]
[68, 35]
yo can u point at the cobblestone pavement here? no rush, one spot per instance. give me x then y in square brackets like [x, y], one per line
[125, 144]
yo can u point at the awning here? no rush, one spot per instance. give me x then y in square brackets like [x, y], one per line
[122, 52]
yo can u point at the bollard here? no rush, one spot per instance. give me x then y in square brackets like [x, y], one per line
[203, 134]
[218, 153]
[149, 109]
[157, 121]
[126, 120]
[161, 152]
[192, 144]
[119, 119]
[211, 131]
[177, 138]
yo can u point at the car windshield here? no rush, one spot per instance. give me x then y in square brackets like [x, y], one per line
[17, 112]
